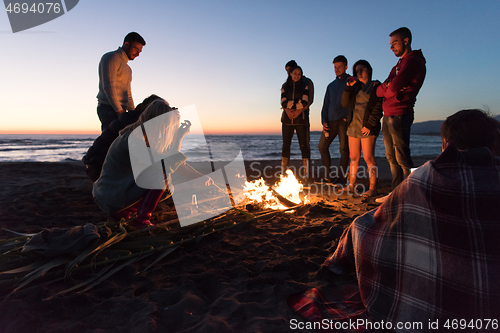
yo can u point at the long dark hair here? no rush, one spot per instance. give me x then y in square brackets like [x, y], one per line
[289, 80]
[364, 63]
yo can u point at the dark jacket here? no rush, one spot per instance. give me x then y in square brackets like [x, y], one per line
[298, 92]
[310, 86]
[116, 187]
[97, 152]
[332, 109]
[373, 111]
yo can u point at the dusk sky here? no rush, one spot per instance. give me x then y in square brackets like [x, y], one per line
[228, 57]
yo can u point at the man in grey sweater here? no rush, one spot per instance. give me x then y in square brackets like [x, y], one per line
[115, 77]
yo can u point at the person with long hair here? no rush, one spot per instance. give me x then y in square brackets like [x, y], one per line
[363, 119]
[295, 118]
[130, 181]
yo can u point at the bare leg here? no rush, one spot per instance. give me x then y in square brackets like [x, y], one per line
[368, 146]
[355, 154]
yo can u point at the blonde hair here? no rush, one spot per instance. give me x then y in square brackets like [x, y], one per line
[157, 126]
[154, 109]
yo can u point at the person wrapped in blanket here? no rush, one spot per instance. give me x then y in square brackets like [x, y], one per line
[431, 251]
[137, 168]
[295, 118]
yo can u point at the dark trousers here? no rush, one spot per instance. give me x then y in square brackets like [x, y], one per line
[302, 134]
[106, 115]
[396, 131]
[97, 152]
[337, 128]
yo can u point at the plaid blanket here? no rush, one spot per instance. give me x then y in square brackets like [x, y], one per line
[429, 254]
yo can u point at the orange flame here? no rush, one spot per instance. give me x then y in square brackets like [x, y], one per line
[288, 187]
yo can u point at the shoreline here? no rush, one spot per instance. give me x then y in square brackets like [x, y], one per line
[418, 158]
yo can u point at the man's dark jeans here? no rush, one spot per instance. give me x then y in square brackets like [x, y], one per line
[106, 115]
[302, 134]
[396, 131]
[337, 128]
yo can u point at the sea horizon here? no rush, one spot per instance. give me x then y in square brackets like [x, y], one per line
[72, 147]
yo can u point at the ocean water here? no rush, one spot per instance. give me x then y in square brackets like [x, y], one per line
[43, 147]
[57, 148]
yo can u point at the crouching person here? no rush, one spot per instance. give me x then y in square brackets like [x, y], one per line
[139, 162]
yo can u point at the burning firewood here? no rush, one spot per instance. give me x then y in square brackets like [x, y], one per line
[284, 195]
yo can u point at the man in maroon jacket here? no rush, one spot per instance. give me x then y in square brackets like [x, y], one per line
[400, 91]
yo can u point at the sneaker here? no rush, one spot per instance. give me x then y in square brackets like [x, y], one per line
[382, 199]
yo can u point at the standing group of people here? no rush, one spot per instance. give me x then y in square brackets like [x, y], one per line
[352, 109]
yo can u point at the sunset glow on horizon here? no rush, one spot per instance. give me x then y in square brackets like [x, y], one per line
[228, 59]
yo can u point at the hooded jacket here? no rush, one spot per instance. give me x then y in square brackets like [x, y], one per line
[403, 84]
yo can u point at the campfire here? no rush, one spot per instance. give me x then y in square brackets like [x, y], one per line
[285, 194]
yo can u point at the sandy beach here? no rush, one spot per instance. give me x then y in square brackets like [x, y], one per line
[233, 280]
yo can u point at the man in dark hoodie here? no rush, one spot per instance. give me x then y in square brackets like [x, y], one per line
[400, 93]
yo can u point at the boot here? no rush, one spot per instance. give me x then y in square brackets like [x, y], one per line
[146, 208]
[305, 163]
[125, 212]
[352, 183]
[372, 191]
[284, 165]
